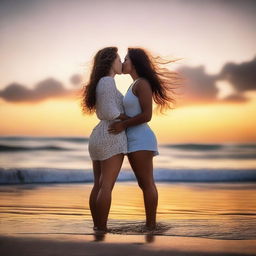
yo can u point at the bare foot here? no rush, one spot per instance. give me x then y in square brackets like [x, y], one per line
[101, 230]
[150, 228]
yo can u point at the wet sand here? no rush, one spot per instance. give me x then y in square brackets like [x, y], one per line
[121, 245]
[193, 219]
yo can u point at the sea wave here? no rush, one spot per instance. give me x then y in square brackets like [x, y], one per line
[218, 155]
[9, 148]
[31, 138]
[54, 175]
[203, 147]
[195, 146]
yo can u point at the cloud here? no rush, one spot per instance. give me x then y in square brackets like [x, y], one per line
[76, 79]
[16, 92]
[199, 86]
[241, 76]
[45, 89]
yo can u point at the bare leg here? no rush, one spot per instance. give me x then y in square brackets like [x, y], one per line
[110, 169]
[142, 165]
[95, 191]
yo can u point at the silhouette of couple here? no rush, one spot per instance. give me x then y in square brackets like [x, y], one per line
[123, 129]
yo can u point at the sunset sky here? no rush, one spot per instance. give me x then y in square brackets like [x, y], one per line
[45, 46]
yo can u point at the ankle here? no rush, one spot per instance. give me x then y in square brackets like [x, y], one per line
[102, 228]
[150, 226]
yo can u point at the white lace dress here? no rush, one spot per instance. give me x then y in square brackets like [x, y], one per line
[109, 105]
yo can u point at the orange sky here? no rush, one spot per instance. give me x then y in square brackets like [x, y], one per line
[56, 39]
[195, 123]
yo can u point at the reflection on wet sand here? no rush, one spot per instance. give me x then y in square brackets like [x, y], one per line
[133, 228]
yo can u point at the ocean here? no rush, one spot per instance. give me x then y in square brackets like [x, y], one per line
[66, 160]
[205, 190]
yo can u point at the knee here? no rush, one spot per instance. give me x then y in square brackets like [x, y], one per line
[106, 188]
[140, 185]
[145, 185]
[96, 187]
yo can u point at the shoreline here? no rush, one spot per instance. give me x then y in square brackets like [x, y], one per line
[189, 210]
[112, 244]
[160, 182]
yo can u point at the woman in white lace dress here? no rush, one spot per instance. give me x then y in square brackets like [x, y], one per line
[106, 150]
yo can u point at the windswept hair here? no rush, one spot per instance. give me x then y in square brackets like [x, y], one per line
[102, 64]
[163, 81]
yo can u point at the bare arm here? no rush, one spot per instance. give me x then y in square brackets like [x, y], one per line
[123, 117]
[144, 94]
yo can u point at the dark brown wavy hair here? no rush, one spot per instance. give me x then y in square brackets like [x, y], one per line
[102, 63]
[164, 82]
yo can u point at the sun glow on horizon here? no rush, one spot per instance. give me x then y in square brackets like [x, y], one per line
[195, 123]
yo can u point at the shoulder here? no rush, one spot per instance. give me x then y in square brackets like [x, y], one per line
[106, 82]
[143, 85]
[107, 79]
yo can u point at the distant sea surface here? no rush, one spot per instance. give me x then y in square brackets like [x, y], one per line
[66, 160]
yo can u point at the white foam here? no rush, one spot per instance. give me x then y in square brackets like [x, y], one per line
[53, 175]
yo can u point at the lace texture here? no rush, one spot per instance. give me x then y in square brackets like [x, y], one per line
[102, 145]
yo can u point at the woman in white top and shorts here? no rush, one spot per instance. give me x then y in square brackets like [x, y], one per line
[151, 82]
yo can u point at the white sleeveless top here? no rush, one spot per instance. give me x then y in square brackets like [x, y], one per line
[139, 137]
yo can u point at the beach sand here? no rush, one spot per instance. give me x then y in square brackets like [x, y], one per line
[193, 219]
[121, 245]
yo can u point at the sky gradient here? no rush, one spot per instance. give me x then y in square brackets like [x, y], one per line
[46, 48]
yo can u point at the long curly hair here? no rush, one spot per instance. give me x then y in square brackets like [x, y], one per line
[163, 81]
[102, 64]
